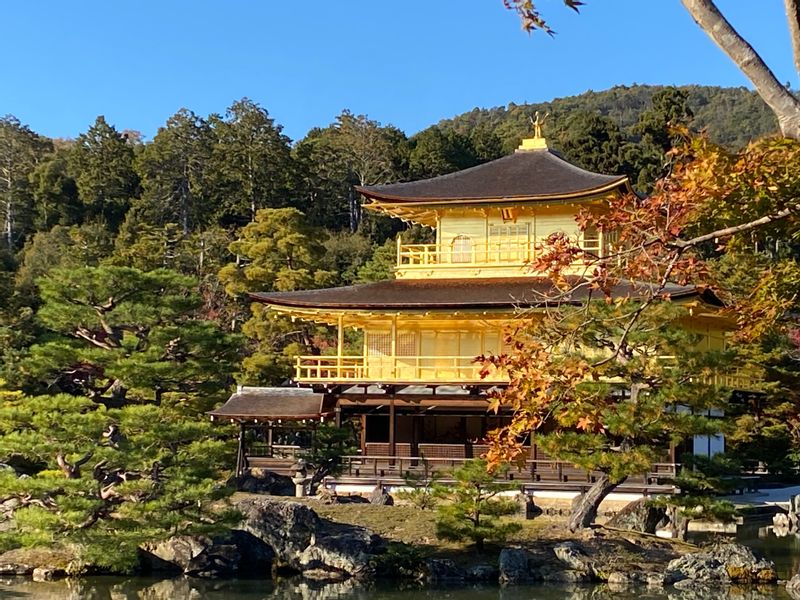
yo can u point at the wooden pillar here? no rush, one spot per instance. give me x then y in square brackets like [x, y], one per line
[392, 425]
[415, 433]
[270, 443]
[394, 347]
[363, 440]
[241, 461]
[339, 346]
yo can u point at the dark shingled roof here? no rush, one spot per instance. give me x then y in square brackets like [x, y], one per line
[271, 403]
[534, 174]
[501, 292]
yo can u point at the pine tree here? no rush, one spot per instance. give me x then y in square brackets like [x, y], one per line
[475, 507]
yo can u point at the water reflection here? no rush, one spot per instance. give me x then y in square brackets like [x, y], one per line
[140, 588]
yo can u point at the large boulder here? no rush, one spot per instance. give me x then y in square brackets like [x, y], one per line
[640, 515]
[441, 570]
[723, 562]
[262, 481]
[514, 566]
[304, 542]
[574, 557]
[194, 555]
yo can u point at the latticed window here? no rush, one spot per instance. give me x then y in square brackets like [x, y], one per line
[508, 241]
[379, 344]
[509, 231]
[407, 343]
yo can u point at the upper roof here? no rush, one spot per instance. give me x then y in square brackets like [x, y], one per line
[539, 174]
[430, 294]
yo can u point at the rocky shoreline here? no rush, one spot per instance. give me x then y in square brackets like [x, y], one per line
[280, 538]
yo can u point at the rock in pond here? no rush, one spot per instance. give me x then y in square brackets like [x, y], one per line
[441, 570]
[195, 555]
[723, 562]
[514, 566]
[302, 541]
[574, 557]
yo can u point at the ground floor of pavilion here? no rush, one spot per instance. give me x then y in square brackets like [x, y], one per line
[397, 434]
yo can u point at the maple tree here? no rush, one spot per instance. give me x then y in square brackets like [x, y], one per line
[607, 382]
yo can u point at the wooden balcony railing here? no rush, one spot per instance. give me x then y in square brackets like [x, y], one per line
[554, 471]
[407, 369]
[480, 253]
[477, 253]
[450, 369]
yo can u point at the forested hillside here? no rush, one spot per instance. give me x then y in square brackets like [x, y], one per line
[731, 116]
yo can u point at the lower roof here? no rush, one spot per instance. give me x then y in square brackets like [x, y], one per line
[477, 293]
[273, 403]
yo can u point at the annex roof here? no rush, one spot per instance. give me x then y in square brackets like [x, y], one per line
[273, 403]
[525, 175]
[504, 293]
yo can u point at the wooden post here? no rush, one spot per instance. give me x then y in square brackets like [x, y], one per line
[399, 245]
[394, 346]
[241, 461]
[339, 346]
[363, 440]
[392, 424]
[270, 427]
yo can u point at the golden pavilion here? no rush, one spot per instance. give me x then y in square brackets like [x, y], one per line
[414, 387]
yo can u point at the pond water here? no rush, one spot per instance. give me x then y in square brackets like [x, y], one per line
[784, 551]
[109, 588]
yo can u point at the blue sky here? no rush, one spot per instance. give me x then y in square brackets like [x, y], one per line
[408, 63]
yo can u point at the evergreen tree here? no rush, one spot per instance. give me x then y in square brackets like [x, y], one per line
[55, 193]
[175, 171]
[252, 160]
[99, 482]
[20, 151]
[593, 142]
[277, 251]
[436, 152]
[123, 335]
[101, 163]
[475, 507]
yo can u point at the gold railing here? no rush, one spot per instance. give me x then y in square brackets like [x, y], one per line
[422, 369]
[452, 369]
[478, 253]
[420, 255]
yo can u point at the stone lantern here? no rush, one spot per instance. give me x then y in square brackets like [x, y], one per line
[300, 478]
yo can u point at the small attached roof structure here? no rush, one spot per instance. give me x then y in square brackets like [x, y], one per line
[274, 403]
[502, 293]
[529, 175]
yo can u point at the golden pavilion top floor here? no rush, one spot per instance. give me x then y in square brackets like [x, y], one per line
[490, 220]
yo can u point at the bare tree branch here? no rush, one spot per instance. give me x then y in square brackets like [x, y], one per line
[734, 229]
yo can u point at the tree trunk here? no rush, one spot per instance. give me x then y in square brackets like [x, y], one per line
[793, 17]
[780, 100]
[584, 507]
